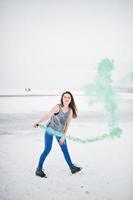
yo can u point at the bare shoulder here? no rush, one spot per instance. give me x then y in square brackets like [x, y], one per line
[56, 108]
[53, 110]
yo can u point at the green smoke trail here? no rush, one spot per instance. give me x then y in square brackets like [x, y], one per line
[79, 140]
[102, 90]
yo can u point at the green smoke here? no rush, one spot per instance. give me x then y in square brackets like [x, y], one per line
[80, 140]
[103, 91]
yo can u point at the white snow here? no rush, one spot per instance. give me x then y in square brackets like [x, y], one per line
[107, 165]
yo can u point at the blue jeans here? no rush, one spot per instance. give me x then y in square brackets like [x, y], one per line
[48, 140]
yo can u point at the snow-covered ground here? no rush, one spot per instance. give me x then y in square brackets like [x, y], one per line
[107, 165]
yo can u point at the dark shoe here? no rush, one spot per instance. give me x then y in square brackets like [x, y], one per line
[40, 173]
[74, 169]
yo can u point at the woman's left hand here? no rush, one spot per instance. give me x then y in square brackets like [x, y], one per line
[62, 140]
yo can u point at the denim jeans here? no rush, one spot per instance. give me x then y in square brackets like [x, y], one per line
[48, 140]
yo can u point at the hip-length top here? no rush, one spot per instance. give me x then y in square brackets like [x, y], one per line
[59, 120]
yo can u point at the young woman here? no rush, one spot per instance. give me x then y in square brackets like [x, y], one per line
[59, 119]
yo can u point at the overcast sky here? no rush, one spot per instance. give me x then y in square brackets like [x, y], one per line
[57, 44]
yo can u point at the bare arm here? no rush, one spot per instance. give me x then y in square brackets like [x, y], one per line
[47, 116]
[68, 122]
[62, 139]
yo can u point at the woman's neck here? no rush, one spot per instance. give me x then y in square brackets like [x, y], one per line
[65, 107]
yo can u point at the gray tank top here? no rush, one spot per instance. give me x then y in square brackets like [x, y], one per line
[59, 120]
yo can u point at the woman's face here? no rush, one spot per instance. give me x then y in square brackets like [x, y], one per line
[66, 99]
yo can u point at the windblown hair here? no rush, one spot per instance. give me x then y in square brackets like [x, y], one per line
[72, 104]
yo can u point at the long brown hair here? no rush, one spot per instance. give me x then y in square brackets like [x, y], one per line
[72, 104]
